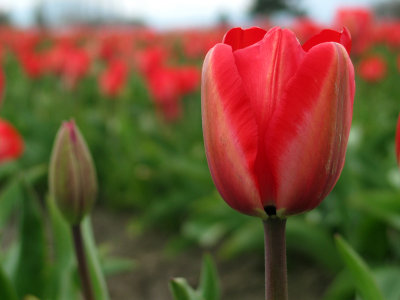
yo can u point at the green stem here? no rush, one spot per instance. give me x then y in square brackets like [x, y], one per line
[98, 281]
[276, 287]
[82, 263]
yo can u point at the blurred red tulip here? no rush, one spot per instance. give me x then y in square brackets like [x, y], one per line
[276, 120]
[305, 28]
[32, 64]
[196, 43]
[150, 59]
[107, 48]
[113, 79]
[11, 143]
[359, 21]
[188, 78]
[388, 32]
[372, 69]
[55, 59]
[165, 90]
[77, 64]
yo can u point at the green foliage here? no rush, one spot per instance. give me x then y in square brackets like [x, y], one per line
[32, 249]
[209, 283]
[208, 287]
[181, 290]
[29, 271]
[96, 273]
[362, 276]
[63, 284]
[160, 160]
[387, 279]
[7, 291]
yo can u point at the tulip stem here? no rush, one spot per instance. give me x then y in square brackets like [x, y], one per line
[276, 286]
[82, 262]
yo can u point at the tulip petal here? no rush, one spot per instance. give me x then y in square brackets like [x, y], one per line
[230, 133]
[329, 35]
[239, 38]
[310, 129]
[265, 69]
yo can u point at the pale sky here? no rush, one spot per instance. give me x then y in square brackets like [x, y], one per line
[165, 14]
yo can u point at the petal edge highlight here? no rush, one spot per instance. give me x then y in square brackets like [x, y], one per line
[230, 132]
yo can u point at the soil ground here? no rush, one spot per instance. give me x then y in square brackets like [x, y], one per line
[241, 279]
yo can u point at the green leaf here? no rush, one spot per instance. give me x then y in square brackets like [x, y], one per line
[7, 291]
[209, 283]
[7, 169]
[10, 259]
[363, 279]
[30, 273]
[35, 173]
[9, 197]
[181, 290]
[63, 284]
[208, 288]
[388, 279]
[97, 278]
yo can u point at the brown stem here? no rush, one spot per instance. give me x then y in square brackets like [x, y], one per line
[82, 264]
[276, 287]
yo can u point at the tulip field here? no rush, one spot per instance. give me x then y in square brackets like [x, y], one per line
[136, 163]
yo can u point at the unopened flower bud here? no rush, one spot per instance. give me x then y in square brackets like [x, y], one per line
[72, 175]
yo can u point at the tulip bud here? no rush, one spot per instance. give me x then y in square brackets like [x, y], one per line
[72, 175]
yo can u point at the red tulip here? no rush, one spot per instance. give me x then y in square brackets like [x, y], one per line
[195, 43]
[388, 32]
[77, 64]
[359, 21]
[56, 58]
[372, 69]
[113, 79]
[107, 48]
[11, 143]
[150, 59]
[32, 64]
[188, 78]
[165, 90]
[276, 118]
[305, 28]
